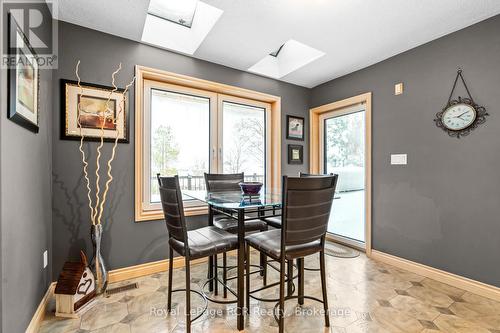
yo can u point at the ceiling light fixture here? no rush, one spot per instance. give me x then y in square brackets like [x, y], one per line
[176, 11]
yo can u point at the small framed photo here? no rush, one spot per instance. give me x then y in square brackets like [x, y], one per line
[295, 154]
[23, 80]
[295, 128]
[96, 112]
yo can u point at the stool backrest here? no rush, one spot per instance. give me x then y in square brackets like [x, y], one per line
[305, 174]
[173, 208]
[307, 203]
[219, 182]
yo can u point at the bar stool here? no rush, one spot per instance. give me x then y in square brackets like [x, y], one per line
[224, 183]
[275, 222]
[203, 242]
[306, 209]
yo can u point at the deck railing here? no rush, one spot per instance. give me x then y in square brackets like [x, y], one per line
[197, 183]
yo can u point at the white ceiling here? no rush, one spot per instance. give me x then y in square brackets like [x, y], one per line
[353, 33]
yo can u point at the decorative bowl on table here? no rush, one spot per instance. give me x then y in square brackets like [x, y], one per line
[250, 188]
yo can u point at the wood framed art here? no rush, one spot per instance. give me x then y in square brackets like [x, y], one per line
[294, 128]
[295, 154]
[24, 80]
[93, 99]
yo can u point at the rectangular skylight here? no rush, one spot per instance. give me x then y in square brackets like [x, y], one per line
[161, 32]
[291, 56]
[177, 11]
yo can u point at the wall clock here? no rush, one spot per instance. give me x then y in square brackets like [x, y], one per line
[460, 116]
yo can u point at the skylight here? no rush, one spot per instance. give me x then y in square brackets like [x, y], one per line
[289, 57]
[177, 11]
[163, 32]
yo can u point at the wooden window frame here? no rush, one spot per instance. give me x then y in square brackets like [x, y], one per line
[177, 82]
[315, 152]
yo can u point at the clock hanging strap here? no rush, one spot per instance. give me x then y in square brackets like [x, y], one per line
[459, 74]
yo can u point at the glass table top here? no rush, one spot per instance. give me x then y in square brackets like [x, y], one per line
[236, 200]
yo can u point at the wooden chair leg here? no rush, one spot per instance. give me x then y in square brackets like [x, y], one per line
[323, 286]
[289, 285]
[224, 272]
[170, 276]
[300, 267]
[188, 297]
[210, 273]
[247, 278]
[281, 314]
[216, 282]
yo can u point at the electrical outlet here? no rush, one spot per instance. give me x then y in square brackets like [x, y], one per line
[399, 159]
[45, 259]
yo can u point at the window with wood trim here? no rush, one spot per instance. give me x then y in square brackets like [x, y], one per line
[187, 126]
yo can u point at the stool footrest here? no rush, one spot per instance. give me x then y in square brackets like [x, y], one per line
[205, 301]
[287, 298]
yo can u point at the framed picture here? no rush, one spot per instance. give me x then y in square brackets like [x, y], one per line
[295, 154]
[24, 80]
[295, 128]
[96, 112]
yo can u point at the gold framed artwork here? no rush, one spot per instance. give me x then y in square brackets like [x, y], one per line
[24, 80]
[101, 109]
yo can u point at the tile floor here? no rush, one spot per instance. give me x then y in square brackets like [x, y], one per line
[364, 296]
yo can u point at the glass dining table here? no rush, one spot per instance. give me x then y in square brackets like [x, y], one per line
[240, 207]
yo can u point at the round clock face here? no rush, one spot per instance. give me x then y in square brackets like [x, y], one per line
[458, 117]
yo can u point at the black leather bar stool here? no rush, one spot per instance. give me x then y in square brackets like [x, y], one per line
[204, 242]
[275, 222]
[223, 183]
[306, 210]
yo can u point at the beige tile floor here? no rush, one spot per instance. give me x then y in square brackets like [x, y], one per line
[364, 296]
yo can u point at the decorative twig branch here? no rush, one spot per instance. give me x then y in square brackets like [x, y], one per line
[112, 157]
[84, 159]
[96, 210]
[101, 144]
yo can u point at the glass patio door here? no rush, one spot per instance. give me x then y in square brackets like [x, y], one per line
[343, 153]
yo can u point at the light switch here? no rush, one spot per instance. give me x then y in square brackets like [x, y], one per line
[398, 159]
[398, 89]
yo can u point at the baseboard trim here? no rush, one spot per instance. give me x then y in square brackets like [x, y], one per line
[39, 315]
[148, 268]
[153, 267]
[473, 286]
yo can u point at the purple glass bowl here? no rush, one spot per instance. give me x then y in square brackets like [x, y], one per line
[250, 188]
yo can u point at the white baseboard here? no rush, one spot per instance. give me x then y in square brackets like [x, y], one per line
[475, 287]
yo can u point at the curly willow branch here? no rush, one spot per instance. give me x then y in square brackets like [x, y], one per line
[84, 159]
[101, 144]
[112, 157]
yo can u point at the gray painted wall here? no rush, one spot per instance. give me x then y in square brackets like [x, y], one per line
[126, 242]
[442, 208]
[26, 212]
